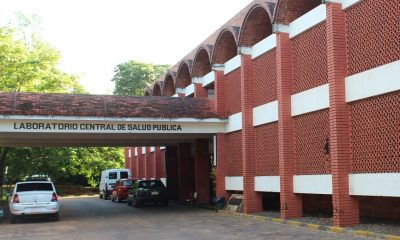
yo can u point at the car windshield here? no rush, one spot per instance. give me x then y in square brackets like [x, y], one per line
[123, 175]
[150, 184]
[26, 187]
[112, 175]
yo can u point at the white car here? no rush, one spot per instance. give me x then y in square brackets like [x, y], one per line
[34, 197]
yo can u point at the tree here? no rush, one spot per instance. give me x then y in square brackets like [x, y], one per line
[29, 64]
[32, 66]
[132, 77]
[73, 165]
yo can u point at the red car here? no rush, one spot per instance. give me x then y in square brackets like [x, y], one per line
[120, 191]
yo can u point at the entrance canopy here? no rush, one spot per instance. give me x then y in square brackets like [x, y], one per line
[31, 119]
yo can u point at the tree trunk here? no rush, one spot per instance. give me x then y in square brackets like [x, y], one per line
[3, 156]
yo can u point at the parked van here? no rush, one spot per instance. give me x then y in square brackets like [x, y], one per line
[108, 179]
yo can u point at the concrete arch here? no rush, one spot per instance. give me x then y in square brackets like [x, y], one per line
[256, 26]
[183, 77]
[202, 64]
[225, 47]
[287, 11]
[157, 88]
[169, 86]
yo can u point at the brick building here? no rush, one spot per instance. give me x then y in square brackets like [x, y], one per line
[311, 93]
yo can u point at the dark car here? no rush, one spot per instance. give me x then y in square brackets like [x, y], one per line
[120, 191]
[147, 191]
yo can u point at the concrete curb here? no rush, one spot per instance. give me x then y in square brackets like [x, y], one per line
[312, 226]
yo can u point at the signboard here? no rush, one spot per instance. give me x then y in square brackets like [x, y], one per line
[92, 125]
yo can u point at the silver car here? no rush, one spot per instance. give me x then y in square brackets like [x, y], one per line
[33, 198]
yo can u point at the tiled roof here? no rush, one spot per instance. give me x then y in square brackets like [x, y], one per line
[104, 106]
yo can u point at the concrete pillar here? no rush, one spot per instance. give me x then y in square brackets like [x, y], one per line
[148, 164]
[291, 203]
[172, 173]
[345, 207]
[202, 170]
[163, 164]
[140, 163]
[252, 200]
[157, 162]
[186, 173]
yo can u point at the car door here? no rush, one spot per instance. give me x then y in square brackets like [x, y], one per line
[135, 188]
[117, 188]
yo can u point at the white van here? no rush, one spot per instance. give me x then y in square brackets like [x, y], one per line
[108, 179]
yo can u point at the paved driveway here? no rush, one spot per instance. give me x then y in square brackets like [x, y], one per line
[92, 218]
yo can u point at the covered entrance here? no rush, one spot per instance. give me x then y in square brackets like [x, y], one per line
[185, 126]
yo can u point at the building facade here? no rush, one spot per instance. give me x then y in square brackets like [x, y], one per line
[311, 94]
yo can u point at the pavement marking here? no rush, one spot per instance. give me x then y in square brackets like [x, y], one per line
[80, 196]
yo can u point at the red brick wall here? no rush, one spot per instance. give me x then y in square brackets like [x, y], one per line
[373, 34]
[309, 59]
[150, 166]
[162, 164]
[234, 153]
[265, 78]
[267, 151]
[290, 10]
[375, 134]
[233, 95]
[311, 130]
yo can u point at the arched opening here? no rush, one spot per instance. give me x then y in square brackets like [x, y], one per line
[157, 89]
[256, 26]
[183, 78]
[289, 10]
[169, 88]
[201, 64]
[225, 48]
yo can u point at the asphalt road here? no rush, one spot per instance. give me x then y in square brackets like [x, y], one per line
[92, 218]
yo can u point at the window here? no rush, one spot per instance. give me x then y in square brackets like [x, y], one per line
[112, 175]
[123, 175]
[151, 184]
[27, 187]
[127, 183]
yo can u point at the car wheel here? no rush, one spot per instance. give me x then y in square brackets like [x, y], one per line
[100, 196]
[118, 199]
[13, 219]
[56, 217]
[112, 198]
[137, 203]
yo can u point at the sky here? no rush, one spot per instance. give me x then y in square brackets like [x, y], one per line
[94, 36]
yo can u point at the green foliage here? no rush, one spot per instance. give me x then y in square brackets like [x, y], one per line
[132, 77]
[73, 165]
[29, 64]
